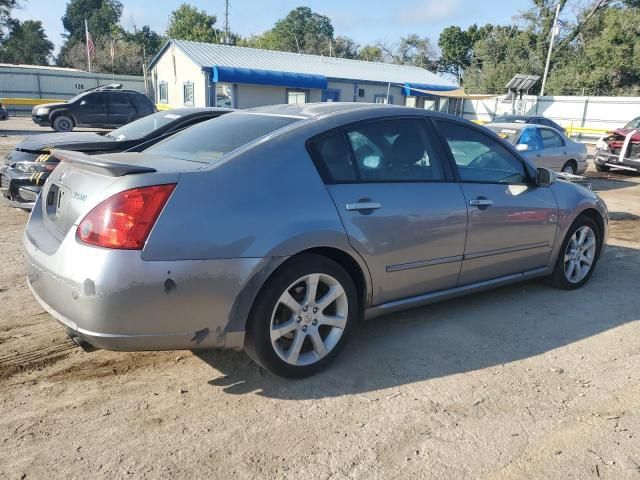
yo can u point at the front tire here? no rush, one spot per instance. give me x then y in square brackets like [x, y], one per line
[62, 123]
[602, 168]
[302, 317]
[578, 255]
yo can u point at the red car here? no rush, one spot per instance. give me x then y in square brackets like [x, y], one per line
[609, 150]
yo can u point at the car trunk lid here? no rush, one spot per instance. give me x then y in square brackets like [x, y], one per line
[82, 181]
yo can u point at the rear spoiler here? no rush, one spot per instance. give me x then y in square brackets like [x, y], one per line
[99, 165]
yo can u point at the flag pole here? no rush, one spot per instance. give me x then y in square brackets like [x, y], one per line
[86, 39]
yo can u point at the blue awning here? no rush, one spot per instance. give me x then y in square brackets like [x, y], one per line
[267, 77]
[413, 89]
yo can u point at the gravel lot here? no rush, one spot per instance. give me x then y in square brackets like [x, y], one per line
[524, 382]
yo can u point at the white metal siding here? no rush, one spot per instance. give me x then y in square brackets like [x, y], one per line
[175, 68]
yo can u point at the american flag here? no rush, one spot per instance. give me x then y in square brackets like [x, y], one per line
[91, 47]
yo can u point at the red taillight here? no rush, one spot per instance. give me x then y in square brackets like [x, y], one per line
[124, 220]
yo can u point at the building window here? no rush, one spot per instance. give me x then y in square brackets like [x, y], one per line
[163, 92]
[297, 96]
[411, 101]
[382, 98]
[187, 93]
[224, 95]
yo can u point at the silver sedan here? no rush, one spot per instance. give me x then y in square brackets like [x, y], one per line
[277, 229]
[544, 146]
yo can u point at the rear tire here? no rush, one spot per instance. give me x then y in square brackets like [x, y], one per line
[62, 123]
[570, 167]
[578, 255]
[302, 317]
[602, 168]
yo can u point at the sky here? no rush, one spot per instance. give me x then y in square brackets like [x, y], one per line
[366, 21]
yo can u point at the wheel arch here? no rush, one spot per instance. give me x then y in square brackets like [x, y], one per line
[56, 113]
[596, 216]
[350, 261]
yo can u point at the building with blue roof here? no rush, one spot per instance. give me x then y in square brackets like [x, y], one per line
[207, 74]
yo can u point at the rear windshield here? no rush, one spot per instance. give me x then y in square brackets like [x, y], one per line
[508, 134]
[210, 140]
[143, 126]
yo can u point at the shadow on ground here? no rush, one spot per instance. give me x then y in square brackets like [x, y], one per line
[457, 336]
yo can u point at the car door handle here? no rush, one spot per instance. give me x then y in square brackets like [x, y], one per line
[481, 202]
[363, 206]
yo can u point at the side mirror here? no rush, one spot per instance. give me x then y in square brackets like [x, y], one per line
[545, 177]
[522, 147]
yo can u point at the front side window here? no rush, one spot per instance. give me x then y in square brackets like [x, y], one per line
[635, 123]
[187, 94]
[163, 92]
[224, 95]
[551, 139]
[393, 151]
[297, 96]
[531, 138]
[479, 157]
[94, 100]
[209, 141]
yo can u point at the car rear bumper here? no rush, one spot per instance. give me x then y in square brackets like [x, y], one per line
[115, 300]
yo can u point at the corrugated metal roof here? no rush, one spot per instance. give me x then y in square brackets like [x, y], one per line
[210, 54]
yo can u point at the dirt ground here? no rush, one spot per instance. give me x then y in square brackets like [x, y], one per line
[524, 382]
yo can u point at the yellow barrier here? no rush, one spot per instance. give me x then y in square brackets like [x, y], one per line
[163, 106]
[29, 101]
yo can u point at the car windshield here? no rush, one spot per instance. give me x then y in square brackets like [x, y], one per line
[143, 126]
[210, 140]
[77, 97]
[508, 134]
[635, 123]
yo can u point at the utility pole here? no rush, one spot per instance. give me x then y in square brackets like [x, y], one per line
[554, 29]
[226, 22]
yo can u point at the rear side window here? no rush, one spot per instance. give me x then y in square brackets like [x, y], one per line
[551, 139]
[210, 140]
[142, 103]
[393, 151]
[118, 99]
[334, 156]
[479, 157]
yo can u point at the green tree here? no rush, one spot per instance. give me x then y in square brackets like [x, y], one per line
[189, 23]
[101, 16]
[148, 40]
[127, 59]
[370, 53]
[5, 15]
[301, 31]
[410, 50]
[26, 44]
[344, 47]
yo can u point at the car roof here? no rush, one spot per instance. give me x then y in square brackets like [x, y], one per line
[324, 109]
[184, 111]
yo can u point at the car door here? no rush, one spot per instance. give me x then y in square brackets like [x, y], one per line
[121, 110]
[555, 149]
[512, 221]
[402, 212]
[92, 109]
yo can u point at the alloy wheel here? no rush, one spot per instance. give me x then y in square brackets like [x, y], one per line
[580, 254]
[308, 319]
